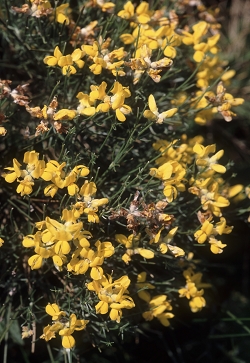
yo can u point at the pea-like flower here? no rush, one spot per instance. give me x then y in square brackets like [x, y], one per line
[67, 62]
[153, 114]
[25, 177]
[112, 296]
[63, 325]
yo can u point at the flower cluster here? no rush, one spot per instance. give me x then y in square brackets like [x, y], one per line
[67, 62]
[105, 102]
[206, 183]
[132, 244]
[220, 103]
[191, 292]
[142, 63]
[25, 177]
[151, 28]
[63, 325]
[58, 240]
[109, 110]
[39, 8]
[157, 304]
[112, 295]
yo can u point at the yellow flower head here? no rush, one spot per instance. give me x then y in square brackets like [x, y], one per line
[153, 113]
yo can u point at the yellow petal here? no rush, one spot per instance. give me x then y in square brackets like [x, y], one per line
[234, 190]
[218, 168]
[68, 70]
[152, 103]
[115, 315]
[227, 75]
[120, 116]
[64, 114]
[120, 238]
[77, 54]
[177, 251]
[57, 53]
[52, 309]
[198, 149]
[50, 190]
[127, 38]
[96, 273]
[169, 113]
[62, 247]
[73, 189]
[65, 60]
[57, 260]
[50, 61]
[163, 248]
[198, 56]
[149, 114]
[10, 178]
[88, 111]
[28, 241]
[146, 253]
[68, 342]
[35, 262]
[101, 307]
[170, 52]
[61, 18]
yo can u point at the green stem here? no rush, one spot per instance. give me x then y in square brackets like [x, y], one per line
[50, 353]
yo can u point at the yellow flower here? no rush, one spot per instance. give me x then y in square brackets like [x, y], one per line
[65, 62]
[128, 11]
[34, 170]
[86, 105]
[216, 246]
[202, 234]
[222, 228]
[61, 232]
[132, 244]
[209, 231]
[42, 250]
[88, 189]
[53, 172]
[84, 258]
[66, 332]
[142, 14]
[142, 286]
[111, 295]
[199, 29]
[117, 101]
[142, 63]
[197, 303]
[62, 325]
[202, 48]
[64, 114]
[191, 292]
[203, 161]
[1, 242]
[3, 131]
[153, 113]
[188, 291]
[158, 304]
[54, 311]
[49, 331]
[53, 60]
[172, 174]
[62, 13]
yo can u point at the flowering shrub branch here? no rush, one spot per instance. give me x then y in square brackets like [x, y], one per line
[115, 184]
